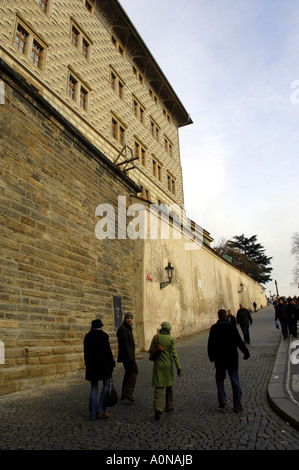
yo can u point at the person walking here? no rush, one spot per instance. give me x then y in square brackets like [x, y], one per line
[244, 319]
[126, 355]
[281, 315]
[292, 314]
[223, 344]
[231, 318]
[163, 376]
[99, 364]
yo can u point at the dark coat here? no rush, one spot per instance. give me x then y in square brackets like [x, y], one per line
[223, 343]
[126, 345]
[281, 312]
[231, 319]
[244, 317]
[98, 356]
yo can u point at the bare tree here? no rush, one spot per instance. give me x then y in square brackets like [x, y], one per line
[295, 251]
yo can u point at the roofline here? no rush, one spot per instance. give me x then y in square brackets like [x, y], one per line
[156, 65]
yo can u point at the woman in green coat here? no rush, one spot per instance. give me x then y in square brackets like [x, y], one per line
[163, 370]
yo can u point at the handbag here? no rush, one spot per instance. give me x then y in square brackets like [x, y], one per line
[111, 396]
[156, 351]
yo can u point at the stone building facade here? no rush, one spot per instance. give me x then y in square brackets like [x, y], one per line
[88, 119]
[86, 58]
[56, 276]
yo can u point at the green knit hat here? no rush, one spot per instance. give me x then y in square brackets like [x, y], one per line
[166, 325]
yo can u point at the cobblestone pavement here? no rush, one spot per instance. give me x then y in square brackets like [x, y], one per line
[56, 417]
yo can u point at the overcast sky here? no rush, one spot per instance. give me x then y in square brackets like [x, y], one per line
[234, 65]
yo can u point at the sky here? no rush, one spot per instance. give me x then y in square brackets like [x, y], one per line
[234, 64]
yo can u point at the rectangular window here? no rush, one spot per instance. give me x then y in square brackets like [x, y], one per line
[140, 152]
[153, 96]
[138, 110]
[88, 6]
[114, 128]
[155, 130]
[78, 91]
[138, 75]
[113, 81]
[83, 98]
[157, 169]
[171, 184]
[154, 168]
[43, 5]
[120, 90]
[72, 88]
[168, 146]
[121, 135]
[117, 84]
[29, 44]
[143, 157]
[159, 175]
[75, 36]
[166, 115]
[80, 40]
[36, 54]
[118, 131]
[21, 39]
[85, 48]
[117, 45]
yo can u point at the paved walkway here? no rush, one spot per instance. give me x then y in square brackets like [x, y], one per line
[56, 417]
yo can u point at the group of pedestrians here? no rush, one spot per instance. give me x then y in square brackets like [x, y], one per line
[287, 315]
[223, 344]
[99, 366]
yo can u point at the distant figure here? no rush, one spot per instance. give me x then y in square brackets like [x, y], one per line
[254, 306]
[244, 319]
[281, 315]
[230, 318]
[223, 343]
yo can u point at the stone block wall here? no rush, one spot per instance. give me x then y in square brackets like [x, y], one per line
[55, 275]
[61, 58]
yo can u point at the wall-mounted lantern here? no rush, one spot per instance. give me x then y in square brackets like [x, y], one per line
[241, 288]
[169, 273]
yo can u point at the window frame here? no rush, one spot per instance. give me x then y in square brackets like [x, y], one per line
[41, 4]
[155, 130]
[140, 151]
[118, 130]
[24, 40]
[138, 109]
[116, 83]
[75, 89]
[171, 183]
[118, 45]
[81, 40]
[20, 31]
[36, 53]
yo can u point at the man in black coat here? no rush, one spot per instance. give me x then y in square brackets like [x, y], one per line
[99, 364]
[223, 343]
[126, 355]
[244, 319]
[282, 316]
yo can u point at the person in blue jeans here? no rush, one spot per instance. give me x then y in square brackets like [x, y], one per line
[223, 344]
[99, 363]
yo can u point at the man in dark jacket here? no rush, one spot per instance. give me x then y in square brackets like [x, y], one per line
[126, 355]
[99, 364]
[224, 341]
[281, 315]
[244, 319]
